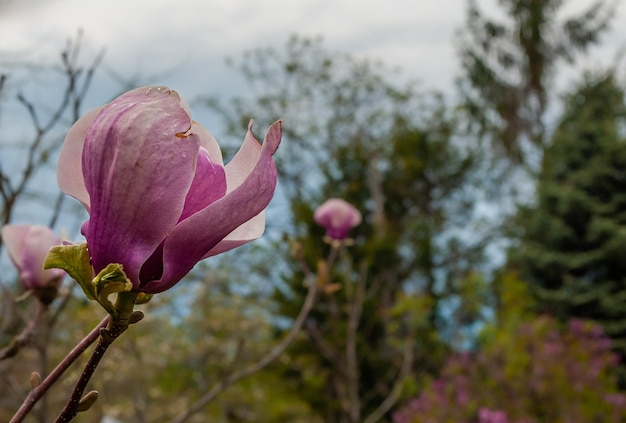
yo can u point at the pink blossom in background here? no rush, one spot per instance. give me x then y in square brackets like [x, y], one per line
[27, 246]
[486, 415]
[338, 217]
[158, 194]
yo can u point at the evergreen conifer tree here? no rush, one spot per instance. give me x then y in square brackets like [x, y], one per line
[573, 240]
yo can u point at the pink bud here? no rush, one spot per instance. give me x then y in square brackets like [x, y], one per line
[28, 246]
[338, 217]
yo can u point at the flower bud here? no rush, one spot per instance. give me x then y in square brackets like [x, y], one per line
[338, 217]
[28, 246]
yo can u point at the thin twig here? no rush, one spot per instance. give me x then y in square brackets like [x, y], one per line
[254, 368]
[41, 389]
[327, 349]
[25, 336]
[352, 366]
[106, 338]
[77, 84]
[394, 394]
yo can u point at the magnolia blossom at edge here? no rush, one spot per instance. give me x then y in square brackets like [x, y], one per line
[28, 246]
[158, 194]
[338, 217]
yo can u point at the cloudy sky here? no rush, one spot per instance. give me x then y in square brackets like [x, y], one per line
[195, 36]
[192, 37]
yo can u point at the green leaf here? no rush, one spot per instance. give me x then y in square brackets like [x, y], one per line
[111, 280]
[74, 259]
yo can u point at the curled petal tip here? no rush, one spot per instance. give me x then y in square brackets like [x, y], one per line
[274, 135]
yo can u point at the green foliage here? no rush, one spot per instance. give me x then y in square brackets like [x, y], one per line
[394, 153]
[572, 241]
[74, 259]
[529, 369]
[510, 64]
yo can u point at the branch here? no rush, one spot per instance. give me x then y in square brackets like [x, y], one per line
[41, 389]
[394, 394]
[25, 337]
[327, 349]
[254, 368]
[38, 153]
[106, 337]
[352, 365]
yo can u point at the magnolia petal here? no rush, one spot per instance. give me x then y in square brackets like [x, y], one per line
[36, 247]
[188, 243]
[209, 184]
[207, 141]
[244, 160]
[245, 233]
[28, 246]
[14, 237]
[138, 166]
[70, 170]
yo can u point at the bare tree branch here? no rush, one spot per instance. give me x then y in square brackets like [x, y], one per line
[256, 367]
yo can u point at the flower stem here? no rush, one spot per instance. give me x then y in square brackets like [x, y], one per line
[41, 389]
[122, 317]
[107, 335]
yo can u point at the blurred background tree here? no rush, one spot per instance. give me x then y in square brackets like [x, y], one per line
[395, 153]
[572, 239]
[529, 368]
[509, 68]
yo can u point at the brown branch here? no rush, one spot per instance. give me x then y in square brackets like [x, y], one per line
[106, 337]
[394, 394]
[38, 154]
[41, 389]
[355, 309]
[325, 347]
[25, 336]
[256, 367]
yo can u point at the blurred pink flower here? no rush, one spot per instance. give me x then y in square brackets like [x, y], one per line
[28, 247]
[158, 194]
[338, 217]
[486, 415]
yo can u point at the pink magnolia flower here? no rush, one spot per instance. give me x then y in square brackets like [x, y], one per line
[28, 247]
[338, 217]
[158, 194]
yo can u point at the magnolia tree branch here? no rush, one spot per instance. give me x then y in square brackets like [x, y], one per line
[355, 308]
[8, 310]
[346, 364]
[38, 391]
[256, 367]
[396, 391]
[327, 349]
[43, 344]
[75, 404]
[25, 336]
[39, 151]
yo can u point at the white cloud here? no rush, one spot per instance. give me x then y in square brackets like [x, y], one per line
[193, 36]
[147, 34]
